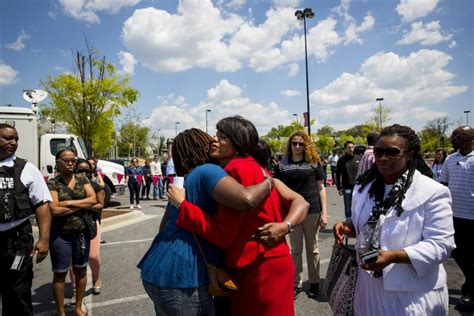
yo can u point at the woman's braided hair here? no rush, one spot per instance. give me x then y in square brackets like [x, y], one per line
[190, 149]
[416, 163]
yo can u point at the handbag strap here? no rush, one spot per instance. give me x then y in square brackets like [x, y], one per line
[200, 249]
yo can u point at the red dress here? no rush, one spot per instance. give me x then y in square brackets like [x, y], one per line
[264, 274]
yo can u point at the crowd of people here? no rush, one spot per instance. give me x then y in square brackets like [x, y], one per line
[237, 205]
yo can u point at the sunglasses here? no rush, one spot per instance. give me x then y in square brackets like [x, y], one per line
[296, 144]
[66, 161]
[389, 152]
[86, 171]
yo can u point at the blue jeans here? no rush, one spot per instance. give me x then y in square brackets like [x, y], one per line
[180, 302]
[158, 189]
[347, 202]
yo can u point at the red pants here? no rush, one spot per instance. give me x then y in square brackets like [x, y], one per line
[265, 288]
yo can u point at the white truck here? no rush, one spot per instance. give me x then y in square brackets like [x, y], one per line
[41, 149]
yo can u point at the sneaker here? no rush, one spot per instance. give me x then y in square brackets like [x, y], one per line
[138, 206]
[131, 207]
[466, 304]
[313, 291]
[296, 291]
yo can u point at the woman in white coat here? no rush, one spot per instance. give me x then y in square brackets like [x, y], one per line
[402, 221]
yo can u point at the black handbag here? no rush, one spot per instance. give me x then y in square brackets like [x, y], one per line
[90, 230]
[341, 278]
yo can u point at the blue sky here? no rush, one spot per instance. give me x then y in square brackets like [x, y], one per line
[247, 57]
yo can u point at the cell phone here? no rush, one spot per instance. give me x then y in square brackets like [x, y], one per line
[370, 256]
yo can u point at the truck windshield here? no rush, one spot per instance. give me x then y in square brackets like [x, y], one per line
[83, 147]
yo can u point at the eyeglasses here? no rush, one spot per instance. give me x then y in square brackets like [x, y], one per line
[86, 171]
[389, 152]
[296, 144]
[66, 161]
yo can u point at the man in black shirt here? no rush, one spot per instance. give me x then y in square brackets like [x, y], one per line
[346, 173]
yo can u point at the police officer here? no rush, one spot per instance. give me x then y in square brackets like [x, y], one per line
[23, 192]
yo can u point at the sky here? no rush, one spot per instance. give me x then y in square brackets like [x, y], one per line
[242, 57]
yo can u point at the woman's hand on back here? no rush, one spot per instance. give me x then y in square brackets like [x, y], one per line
[271, 233]
[176, 195]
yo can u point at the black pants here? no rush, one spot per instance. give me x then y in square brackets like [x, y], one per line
[15, 286]
[146, 187]
[134, 188]
[463, 254]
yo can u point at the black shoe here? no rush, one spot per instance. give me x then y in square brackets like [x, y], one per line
[313, 291]
[466, 304]
[296, 291]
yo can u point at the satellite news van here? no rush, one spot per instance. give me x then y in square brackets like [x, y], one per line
[41, 149]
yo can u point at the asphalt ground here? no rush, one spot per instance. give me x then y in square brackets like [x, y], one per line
[128, 237]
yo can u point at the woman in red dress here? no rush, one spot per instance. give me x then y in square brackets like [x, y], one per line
[264, 273]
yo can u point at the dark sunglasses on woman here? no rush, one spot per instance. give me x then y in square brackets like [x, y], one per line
[389, 152]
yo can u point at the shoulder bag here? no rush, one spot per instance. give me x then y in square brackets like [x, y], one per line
[340, 282]
[220, 280]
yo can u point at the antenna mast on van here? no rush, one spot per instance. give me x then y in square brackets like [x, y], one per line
[34, 96]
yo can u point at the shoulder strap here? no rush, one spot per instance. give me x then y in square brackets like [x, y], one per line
[19, 164]
[200, 249]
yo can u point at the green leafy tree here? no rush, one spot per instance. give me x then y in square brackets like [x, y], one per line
[133, 140]
[381, 117]
[277, 137]
[433, 135]
[89, 99]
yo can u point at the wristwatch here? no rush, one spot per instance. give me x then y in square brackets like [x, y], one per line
[290, 226]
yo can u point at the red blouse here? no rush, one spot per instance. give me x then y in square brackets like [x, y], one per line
[231, 229]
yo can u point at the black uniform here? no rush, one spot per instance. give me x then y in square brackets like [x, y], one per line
[15, 243]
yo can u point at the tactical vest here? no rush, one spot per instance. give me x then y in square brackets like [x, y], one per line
[14, 196]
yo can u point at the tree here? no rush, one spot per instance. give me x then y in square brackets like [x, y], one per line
[89, 99]
[381, 117]
[433, 134]
[277, 137]
[134, 140]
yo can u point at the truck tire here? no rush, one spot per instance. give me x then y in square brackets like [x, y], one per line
[108, 195]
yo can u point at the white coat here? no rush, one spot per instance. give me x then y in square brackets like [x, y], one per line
[424, 230]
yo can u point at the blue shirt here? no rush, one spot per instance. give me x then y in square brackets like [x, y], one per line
[173, 260]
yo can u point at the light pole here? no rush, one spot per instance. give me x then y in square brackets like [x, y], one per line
[380, 113]
[303, 15]
[295, 116]
[467, 117]
[207, 111]
[176, 129]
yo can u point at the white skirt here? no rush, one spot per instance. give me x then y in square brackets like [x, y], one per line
[371, 299]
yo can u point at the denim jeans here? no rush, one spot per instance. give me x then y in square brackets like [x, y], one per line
[180, 302]
[347, 202]
[158, 189]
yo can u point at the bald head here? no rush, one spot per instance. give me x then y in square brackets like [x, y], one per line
[462, 138]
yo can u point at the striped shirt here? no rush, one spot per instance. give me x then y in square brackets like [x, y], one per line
[458, 173]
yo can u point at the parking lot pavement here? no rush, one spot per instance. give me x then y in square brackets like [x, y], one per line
[127, 241]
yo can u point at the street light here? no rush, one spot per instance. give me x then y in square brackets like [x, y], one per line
[380, 113]
[176, 129]
[303, 15]
[295, 116]
[207, 110]
[467, 117]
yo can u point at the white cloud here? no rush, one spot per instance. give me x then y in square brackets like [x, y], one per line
[452, 44]
[426, 34]
[223, 91]
[406, 92]
[235, 4]
[410, 10]
[293, 69]
[286, 3]
[290, 93]
[7, 74]
[199, 35]
[225, 99]
[86, 10]
[128, 62]
[18, 44]
[191, 38]
[351, 34]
